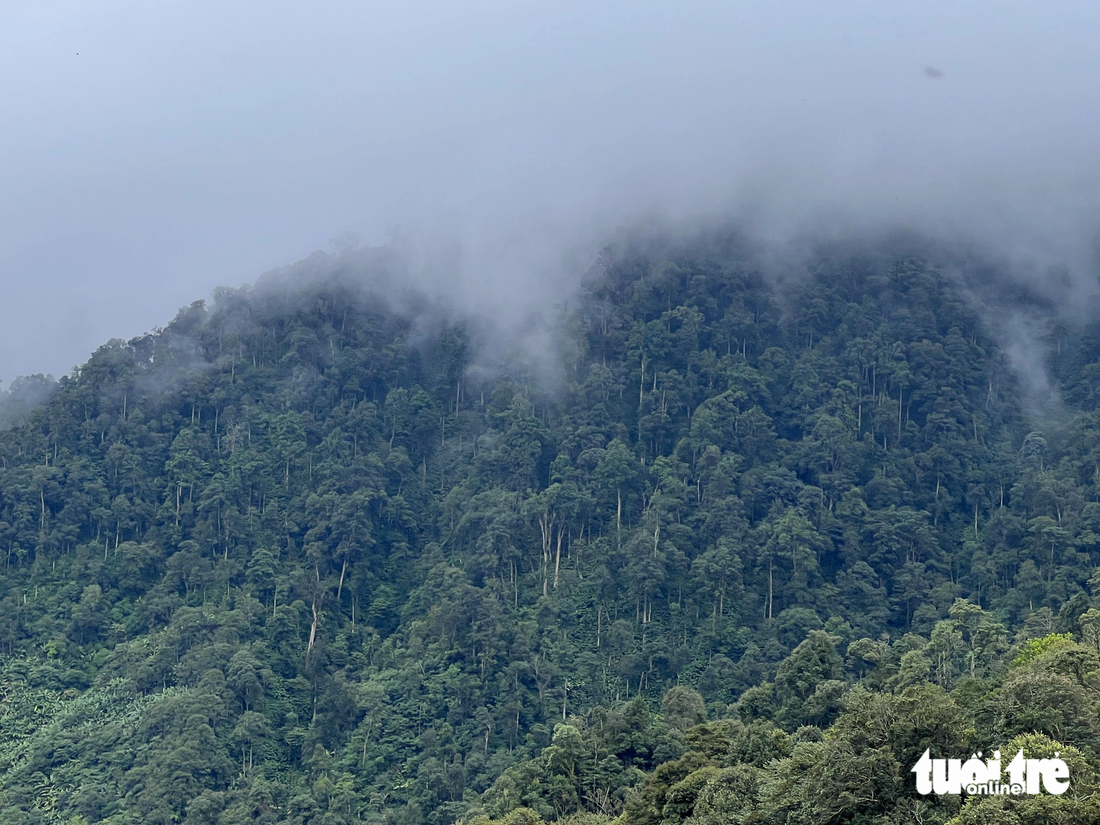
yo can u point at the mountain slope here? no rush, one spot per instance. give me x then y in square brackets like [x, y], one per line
[304, 560]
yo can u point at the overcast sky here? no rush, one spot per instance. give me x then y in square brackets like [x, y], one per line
[152, 151]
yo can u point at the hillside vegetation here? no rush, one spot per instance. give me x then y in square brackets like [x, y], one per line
[300, 557]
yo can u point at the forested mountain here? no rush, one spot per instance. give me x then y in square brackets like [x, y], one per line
[301, 557]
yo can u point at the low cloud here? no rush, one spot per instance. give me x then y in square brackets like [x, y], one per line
[186, 149]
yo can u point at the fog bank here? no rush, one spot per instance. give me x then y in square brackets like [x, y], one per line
[155, 152]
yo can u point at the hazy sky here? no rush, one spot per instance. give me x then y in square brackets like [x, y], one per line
[152, 151]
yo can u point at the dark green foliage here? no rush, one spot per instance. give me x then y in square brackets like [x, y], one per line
[857, 770]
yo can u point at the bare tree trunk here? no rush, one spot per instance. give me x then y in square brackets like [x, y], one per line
[312, 631]
[557, 555]
[546, 526]
[768, 612]
[619, 519]
[343, 570]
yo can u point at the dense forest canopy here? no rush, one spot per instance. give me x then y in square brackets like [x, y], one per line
[747, 550]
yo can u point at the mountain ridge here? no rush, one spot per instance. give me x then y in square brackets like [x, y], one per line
[314, 564]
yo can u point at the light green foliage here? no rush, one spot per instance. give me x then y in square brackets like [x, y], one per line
[1034, 648]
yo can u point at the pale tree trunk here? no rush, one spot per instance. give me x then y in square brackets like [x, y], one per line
[312, 631]
[343, 570]
[546, 525]
[619, 519]
[557, 555]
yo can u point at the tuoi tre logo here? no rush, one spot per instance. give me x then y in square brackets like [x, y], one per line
[1025, 776]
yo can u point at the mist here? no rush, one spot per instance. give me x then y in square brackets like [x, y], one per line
[153, 152]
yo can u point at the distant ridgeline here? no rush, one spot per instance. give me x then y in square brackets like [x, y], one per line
[755, 550]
